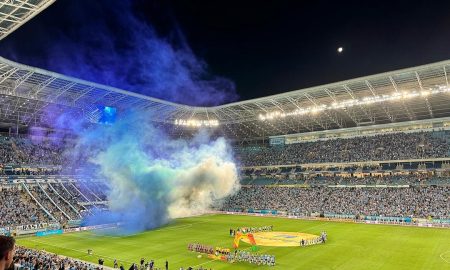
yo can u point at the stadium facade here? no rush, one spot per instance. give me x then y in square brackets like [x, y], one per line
[417, 96]
[13, 14]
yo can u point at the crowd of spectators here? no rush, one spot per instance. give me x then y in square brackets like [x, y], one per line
[61, 203]
[60, 199]
[398, 146]
[378, 147]
[420, 202]
[144, 265]
[24, 150]
[49, 205]
[412, 179]
[29, 259]
[27, 171]
[73, 199]
[404, 179]
[17, 208]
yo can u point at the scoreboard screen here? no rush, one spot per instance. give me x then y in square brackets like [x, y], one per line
[108, 115]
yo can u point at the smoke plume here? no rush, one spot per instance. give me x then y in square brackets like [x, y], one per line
[151, 177]
[114, 43]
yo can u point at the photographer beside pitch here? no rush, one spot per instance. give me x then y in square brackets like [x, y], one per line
[7, 251]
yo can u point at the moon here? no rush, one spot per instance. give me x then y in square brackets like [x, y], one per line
[340, 50]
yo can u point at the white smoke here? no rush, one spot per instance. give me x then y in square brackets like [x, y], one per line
[153, 178]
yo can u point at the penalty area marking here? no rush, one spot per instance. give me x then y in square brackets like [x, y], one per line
[179, 227]
[315, 226]
[443, 257]
[172, 228]
[100, 239]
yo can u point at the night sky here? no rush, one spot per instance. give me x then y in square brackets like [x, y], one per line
[264, 47]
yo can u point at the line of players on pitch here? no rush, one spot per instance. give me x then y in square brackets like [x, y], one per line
[304, 242]
[251, 230]
[314, 241]
[227, 255]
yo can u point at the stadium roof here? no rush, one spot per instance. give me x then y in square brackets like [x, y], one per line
[410, 94]
[14, 13]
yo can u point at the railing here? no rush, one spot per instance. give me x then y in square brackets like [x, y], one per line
[90, 191]
[79, 192]
[345, 164]
[28, 228]
[51, 200]
[38, 203]
[62, 198]
[418, 222]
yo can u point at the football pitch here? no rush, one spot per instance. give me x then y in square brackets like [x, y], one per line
[349, 245]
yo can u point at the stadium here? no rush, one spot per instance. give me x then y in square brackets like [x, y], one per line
[348, 175]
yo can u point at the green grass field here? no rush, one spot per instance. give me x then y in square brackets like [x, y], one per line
[349, 246]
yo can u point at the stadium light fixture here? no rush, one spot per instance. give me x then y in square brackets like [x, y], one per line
[356, 102]
[197, 123]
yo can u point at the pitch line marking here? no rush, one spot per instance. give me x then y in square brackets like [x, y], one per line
[173, 228]
[444, 259]
[99, 239]
[315, 226]
[77, 250]
[108, 257]
[204, 263]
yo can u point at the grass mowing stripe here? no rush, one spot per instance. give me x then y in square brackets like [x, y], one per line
[350, 245]
[72, 249]
[445, 260]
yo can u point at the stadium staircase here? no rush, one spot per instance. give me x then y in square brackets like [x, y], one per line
[94, 196]
[89, 199]
[78, 191]
[38, 203]
[78, 216]
[53, 202]
[66, 193]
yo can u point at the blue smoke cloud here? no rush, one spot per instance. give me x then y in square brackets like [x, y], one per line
[152, 178]
[112, 42]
